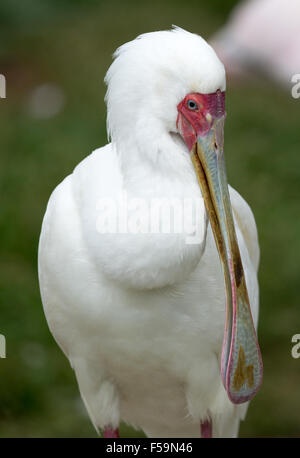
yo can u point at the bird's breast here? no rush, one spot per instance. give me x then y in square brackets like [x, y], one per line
[144, 236]
[145, 242]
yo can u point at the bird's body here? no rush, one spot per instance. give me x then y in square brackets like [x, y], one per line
[140, 316]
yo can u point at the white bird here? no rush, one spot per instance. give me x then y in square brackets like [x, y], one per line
[262, 36]
[139, 312]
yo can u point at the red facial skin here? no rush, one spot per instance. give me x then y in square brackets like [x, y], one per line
[193, 122]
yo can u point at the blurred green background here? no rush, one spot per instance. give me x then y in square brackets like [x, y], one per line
[58, 51]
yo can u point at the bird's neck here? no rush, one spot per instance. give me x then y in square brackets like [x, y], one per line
[156, 166]
[165, 222]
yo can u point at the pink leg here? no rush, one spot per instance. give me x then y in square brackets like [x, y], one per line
[206, 429]
[110, 433]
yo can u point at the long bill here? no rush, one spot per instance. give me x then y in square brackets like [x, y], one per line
[241, 362]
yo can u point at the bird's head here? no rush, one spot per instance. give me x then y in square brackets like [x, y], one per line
[166, 108]
[148, 79]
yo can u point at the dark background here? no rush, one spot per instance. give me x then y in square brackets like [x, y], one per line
[67, 46]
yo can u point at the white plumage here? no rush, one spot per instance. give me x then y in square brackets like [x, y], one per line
[141, 316]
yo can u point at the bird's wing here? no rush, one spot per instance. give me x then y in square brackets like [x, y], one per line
[63, 260]
[246, 222]
[59, 234]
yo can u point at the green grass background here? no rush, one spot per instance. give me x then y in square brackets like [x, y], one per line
[70, 43]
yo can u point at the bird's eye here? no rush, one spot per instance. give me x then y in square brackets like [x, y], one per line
[192, 105]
